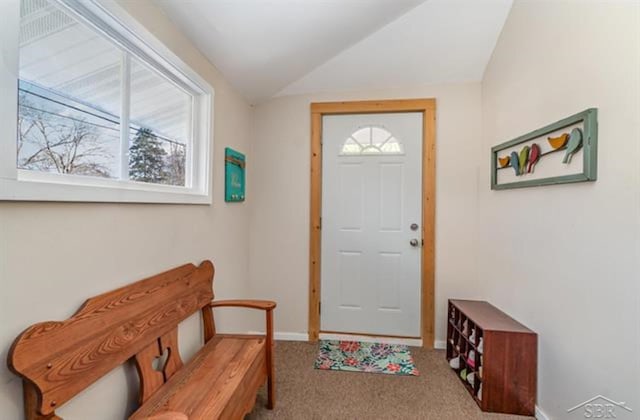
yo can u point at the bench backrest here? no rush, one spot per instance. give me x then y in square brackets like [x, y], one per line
[57, 360]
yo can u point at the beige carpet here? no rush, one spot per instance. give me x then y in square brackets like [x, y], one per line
[303, 392]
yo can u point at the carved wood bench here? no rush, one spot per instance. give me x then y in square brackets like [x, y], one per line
[57, 360]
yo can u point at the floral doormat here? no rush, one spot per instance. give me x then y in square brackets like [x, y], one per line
[357, 356]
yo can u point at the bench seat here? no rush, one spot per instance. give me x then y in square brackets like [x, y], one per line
[215, 384]
[138, 323]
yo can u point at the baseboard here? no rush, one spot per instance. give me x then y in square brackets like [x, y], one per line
[291, 336]
[541, 415]
[285, 336]
[294, 336]
[416, 342]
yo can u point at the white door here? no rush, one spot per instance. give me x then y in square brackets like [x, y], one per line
[371, 215]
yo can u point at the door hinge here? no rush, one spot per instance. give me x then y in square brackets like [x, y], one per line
[320, 223]
[319, 307]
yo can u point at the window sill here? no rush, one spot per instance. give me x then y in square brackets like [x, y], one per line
[51, 187]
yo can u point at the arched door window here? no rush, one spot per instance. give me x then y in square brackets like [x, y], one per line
[371, 140]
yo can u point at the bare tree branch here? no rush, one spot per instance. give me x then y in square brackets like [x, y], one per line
[55, 144]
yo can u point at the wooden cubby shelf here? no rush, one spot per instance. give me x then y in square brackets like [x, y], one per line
[496, 356]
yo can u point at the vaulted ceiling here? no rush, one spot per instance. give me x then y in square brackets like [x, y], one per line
[267, 48]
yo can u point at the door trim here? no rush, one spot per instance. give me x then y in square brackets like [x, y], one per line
[428, 109]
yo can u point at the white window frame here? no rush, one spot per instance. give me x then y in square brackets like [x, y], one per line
[116, 24]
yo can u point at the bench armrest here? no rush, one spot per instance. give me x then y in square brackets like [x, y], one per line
[265, 305]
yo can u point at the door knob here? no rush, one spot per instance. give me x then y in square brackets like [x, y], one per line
[414, 242]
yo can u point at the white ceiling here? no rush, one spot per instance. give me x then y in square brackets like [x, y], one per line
[440, 41]
[279, 47]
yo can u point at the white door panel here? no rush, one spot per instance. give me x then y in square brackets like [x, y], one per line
[371, 194]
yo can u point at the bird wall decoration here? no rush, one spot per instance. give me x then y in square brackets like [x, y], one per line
[515, 164]
[574, 144]
[531, 155]
[534, 157]
[503, 161]
[523, 158]
[564, 151]
[558, 142]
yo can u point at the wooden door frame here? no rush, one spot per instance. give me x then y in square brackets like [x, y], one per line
[428, 109]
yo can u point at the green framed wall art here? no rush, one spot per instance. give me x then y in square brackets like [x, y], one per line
[559, 153]
[234, 175]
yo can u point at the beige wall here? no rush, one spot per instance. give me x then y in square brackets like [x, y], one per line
[54, 255]
[565, 260]
[279, 251]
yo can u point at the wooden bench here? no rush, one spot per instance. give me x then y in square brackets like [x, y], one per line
[57, 360]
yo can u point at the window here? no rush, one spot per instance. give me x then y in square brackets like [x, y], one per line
[104, 111]
[371, 141]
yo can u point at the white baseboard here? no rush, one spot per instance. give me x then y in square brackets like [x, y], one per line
[291, 336]
[416, 342]
[294, 336]
[285, 336]
[541, 415]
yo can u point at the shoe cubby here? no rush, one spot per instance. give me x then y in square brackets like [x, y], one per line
[493, 355]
